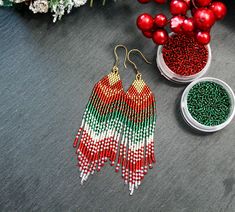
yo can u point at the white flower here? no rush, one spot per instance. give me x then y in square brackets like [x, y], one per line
[78, 3]
[39, 6]
[1, 3]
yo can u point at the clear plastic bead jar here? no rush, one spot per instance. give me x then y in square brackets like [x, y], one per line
[193, 122]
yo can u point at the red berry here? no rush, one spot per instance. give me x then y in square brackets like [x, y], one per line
[144, 1]
[219, 10]
[147, 34]
[178, 7]
[188, 25]
[188, 2]
[203, 37]
[202, 3]
[160, 1]
[176, 24]
[204, 19]
[145, 22]
[160, 36]
[160, 20]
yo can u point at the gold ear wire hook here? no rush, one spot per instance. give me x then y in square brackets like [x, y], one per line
[135, 66]
[116, 56]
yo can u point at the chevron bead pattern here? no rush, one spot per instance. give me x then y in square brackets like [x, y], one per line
[120, 127]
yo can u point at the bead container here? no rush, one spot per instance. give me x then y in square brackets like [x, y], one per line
[209, 126]
[178, 78]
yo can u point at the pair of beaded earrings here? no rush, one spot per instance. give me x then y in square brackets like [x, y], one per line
[118, 126]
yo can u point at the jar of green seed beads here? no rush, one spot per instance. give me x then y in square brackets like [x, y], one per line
[208, 104]
[182, 59]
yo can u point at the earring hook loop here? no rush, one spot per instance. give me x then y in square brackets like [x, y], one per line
[135, 66]
[116, 56]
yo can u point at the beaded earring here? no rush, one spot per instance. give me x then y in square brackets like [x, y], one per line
[136, 152]
[113, 116]
[102, 123]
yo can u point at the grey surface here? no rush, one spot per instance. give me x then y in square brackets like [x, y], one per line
[47, 72]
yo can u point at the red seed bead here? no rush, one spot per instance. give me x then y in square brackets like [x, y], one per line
[219, 9]
[188, 25]
[75, 141]
[117, 169]
[176, 24]
[178, 7]
[147, 34]
[184, 55]
[160, 36]
[160, 20]
[204, 19]
[203, 37]
[145, 22]
[144, 1]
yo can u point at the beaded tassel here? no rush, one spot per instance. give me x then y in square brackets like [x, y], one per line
[101, 126]
[136, 152]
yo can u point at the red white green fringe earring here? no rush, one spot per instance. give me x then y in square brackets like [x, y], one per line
[102, 123]
[136, 152]
[112, 117]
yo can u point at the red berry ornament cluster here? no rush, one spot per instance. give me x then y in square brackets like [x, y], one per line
[204, 13]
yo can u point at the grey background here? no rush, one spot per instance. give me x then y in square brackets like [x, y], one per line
[47, 72]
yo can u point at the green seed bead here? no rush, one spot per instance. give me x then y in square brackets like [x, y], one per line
[209, 103]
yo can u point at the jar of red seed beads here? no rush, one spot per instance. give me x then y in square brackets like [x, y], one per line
[182, 59]
[208, 104]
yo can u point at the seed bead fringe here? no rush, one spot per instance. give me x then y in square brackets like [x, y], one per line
[112, 117]
[99, 133]
[136, 154]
